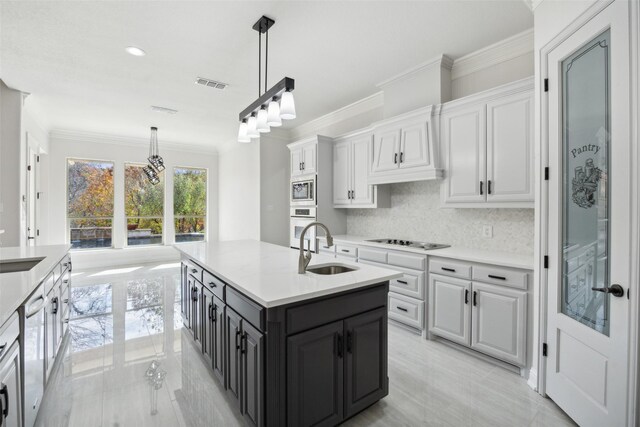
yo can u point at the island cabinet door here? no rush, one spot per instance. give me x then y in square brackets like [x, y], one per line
[218, 341]
[315, 377]
[251, 350]
[366, 379]
[232, 335]
[196, 311]
[185, 295]
[208, 325]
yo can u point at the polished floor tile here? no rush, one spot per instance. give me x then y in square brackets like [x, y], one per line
[128, 362]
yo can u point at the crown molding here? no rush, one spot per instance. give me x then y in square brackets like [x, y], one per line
[534, 3]
[442, 61]
[518, 86]
[512, 47]
[359, 107]
[123, 141]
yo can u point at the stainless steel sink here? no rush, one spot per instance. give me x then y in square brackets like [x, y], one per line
[14, 266]
[329, 269]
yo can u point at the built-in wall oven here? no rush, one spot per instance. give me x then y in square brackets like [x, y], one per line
[303, 192]
[300, 218]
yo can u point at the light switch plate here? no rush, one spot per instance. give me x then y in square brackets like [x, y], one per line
[487, 231]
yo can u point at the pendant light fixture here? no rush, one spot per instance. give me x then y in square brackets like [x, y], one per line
[272, 106]
[156, 163]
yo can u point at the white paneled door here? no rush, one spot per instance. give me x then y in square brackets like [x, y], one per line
[589, 208]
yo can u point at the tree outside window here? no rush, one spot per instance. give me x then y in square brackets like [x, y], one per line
[89, 203]
[144, 207]
[189, 203]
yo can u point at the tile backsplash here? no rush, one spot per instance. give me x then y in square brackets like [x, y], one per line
[415, 214]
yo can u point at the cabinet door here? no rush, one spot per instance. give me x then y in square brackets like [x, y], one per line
[196, 312]
[362, 192]
[386, 148]
[252, 348]
[449, 308]
[463, 132]
[10, 388]
[309, 158]
[315, 377]
[218, 341]
[65, 296]
[232, 334]
[510, 149]
[366, 351]
[208, 324]
[414, 146]
[498, 322]
[185, 295]
[51, 320]
[296, 162]
[341, 173]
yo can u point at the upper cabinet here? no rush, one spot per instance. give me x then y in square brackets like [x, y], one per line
[487, 141]
[351, 167]
[404, 149]
[303, 159]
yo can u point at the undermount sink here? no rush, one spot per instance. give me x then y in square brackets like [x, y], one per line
[14, 266]
[329, 269]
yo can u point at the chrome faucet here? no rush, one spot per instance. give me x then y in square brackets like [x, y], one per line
[305, 259]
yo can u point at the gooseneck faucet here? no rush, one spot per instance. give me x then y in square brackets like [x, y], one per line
[305, 259]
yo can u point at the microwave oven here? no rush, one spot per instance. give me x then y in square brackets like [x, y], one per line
[303, 192]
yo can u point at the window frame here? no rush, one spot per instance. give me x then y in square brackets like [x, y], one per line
[126, 217]
[206, 203]
[68, 218]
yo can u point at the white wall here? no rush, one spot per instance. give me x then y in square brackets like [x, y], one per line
[239, 192]
[275, 176]
[65, 145]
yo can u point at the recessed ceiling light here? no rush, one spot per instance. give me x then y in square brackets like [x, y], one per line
[135, 51]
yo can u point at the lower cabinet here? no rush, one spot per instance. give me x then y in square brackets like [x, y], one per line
[232, 341]
[185, 296]
[336, 370]
[488, 318]
[10, 385]
[52, 327]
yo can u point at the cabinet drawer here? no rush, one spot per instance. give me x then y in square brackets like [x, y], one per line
[65, 264]
[323, 248]
[194, 270]
[9, 332]
[416, 262]
[407, 310]
[501, 276]
[450, 268]
[347, 250]
[375, 255]
[411, 284]
[214, 284]
[249, 310]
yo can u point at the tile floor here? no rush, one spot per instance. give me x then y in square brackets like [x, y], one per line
[127, 363]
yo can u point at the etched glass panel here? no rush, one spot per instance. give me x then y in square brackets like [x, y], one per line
[585, 210]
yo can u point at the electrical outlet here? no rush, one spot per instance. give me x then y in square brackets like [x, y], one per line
[487, 231]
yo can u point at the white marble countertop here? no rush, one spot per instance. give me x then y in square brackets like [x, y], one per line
[16, 287]
[268, 273]
[505, 259]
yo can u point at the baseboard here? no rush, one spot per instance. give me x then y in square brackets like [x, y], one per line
[100, 258]
[532, 381]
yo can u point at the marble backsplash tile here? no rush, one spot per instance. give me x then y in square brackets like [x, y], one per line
[415, 214]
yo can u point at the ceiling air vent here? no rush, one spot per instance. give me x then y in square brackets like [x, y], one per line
[163, 110]
[210, 83]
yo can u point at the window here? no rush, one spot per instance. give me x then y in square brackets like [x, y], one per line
[189, 203]
[89, 203]
[143, 207]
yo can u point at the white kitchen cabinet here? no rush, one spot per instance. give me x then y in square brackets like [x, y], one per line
[449, 308]
[403, 149]
[351, 165]
[487, 141]
[303, 159]
[10, 386]
[498, 319]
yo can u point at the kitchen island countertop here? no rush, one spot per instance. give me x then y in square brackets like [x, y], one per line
[268, 273]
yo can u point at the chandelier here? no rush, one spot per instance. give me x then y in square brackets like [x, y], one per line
[156, 164]
[272, 106]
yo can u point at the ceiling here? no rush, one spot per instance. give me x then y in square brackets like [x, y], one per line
[70, 56]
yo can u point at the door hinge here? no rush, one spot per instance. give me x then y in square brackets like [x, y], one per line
[546, 174]
[546, 85]
[546, 261]
[544, 349]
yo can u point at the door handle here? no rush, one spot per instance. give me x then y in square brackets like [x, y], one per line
[54, 302]
[349, 341]
[194, 271]
[401, 157]
[339, 345]
[5, 394]
[214, 314]
[466, 296]
[237, 335]
[395, 158]
[303, 166]
[475, 298]
[243, 343]
[489, 187]
[213, 284]
[3, 347]
[402, 309]
[481, 184]
[404, 282]
[210, 306]
[615, 290]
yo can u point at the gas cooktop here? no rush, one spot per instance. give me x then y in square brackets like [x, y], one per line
[411, 244]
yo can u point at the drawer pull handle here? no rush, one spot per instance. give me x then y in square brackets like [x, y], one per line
[453, 270]
[402, 309]
[402, 281]
[491, 276]
[345, 250]
[326, 247]
[213, 284]
[194, 271]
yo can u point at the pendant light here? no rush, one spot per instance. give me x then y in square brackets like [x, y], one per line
[243, 136]
[156, 163]
[266, 112]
